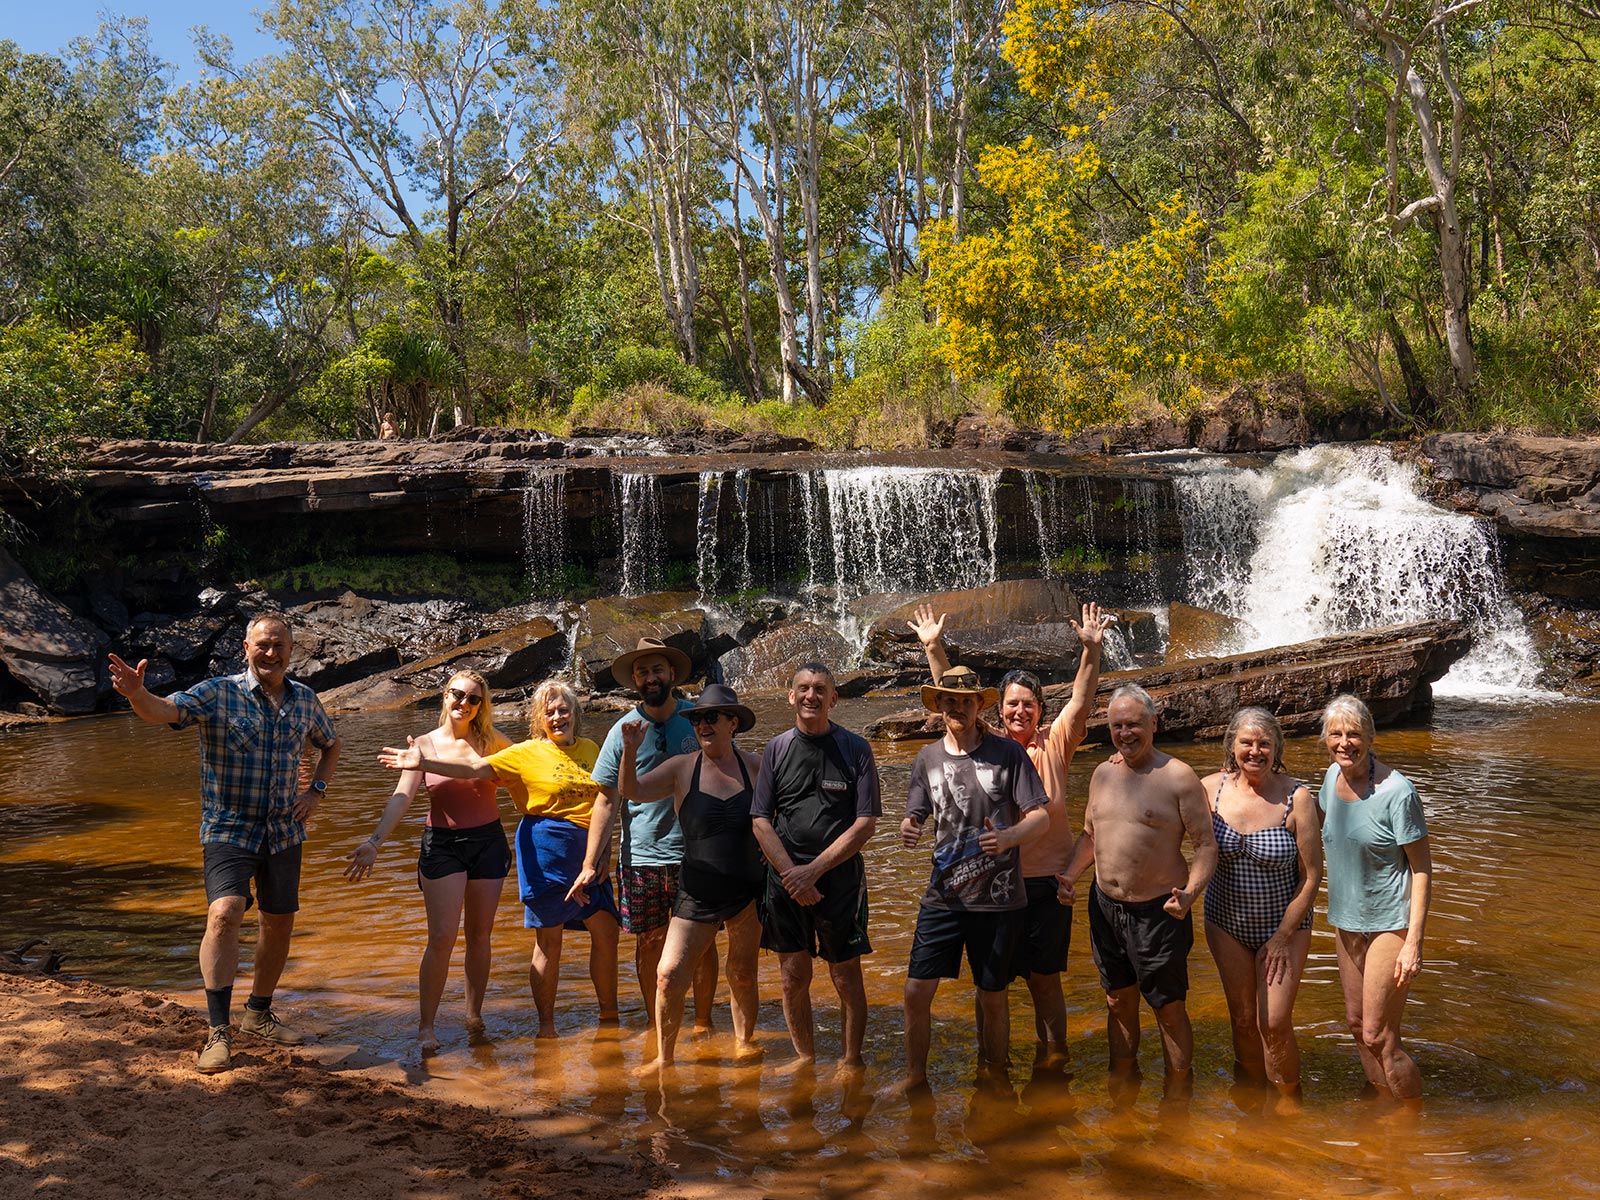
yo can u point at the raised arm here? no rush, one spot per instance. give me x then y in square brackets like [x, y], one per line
[662, 782]
[129, 682]
[470, 765]
[1073, 722]
[930, 632]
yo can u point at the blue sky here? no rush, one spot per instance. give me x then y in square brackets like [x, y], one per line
[46, 26]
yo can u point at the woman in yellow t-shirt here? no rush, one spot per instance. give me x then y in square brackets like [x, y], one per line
[548, 778]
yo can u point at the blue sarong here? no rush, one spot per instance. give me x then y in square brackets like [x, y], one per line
[550, 854]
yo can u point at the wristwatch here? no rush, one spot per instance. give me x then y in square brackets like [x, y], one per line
[319, 786]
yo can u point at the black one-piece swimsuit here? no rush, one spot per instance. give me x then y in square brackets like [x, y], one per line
[722, 868]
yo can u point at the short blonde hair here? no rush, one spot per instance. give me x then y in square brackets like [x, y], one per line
[482, 724]
[1253, 718]
[547, 691]
[1351, 708]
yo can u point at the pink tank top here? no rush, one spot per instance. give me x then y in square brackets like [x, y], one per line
[461, 803]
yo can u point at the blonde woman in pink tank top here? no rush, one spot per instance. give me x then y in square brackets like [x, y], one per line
[464, 858]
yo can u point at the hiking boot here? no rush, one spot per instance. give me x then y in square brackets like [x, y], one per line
[217, 1055]
[265, 1024]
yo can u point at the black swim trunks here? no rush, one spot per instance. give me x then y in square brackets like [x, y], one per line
[481, 852]
[1139, 942]
[990, 939]
[1047, 936]
[834, 929]
[229, 871]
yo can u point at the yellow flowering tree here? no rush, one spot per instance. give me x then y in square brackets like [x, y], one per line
[1069, 317]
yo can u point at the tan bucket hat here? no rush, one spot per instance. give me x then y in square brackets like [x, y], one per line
[622, 666]
[958, 681]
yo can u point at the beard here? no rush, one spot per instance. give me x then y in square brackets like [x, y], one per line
[655, 692]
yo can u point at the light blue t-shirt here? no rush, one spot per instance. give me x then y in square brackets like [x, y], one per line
[1363, 843]
[650, 833]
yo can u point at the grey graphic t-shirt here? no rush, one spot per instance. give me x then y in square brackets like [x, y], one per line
[995, 782]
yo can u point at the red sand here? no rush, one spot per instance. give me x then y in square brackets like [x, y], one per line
[99, 1098]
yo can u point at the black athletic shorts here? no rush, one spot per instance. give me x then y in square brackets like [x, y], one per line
[229, 870]
[990, 939]
[1138, 942]
[834, 929]
[481, 852]
[1047, 936]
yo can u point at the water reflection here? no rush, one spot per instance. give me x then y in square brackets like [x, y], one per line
[100, 852]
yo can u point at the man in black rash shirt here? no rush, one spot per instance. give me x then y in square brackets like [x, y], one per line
[816, 804]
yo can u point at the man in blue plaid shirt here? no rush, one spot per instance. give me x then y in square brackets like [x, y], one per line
[253, 731]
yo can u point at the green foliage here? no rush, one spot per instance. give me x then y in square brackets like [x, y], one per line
[485, 585]
[634, 364]
[59, 384]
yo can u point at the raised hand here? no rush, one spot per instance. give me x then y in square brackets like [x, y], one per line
[926, 626]
[128, 681]
[1094, 624]
[409, 759]
[633, 734]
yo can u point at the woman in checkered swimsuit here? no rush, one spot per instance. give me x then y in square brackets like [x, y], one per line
[1258, 904]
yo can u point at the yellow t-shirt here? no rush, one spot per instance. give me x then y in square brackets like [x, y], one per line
[547, 780]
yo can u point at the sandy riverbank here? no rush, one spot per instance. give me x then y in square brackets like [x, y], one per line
[99, 1098]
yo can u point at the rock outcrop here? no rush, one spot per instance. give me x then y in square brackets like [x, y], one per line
[49, 652]
[1016, 623]
[1391, 669]
[1197, 632]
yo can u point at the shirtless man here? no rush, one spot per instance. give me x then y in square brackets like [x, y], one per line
[1140, 926]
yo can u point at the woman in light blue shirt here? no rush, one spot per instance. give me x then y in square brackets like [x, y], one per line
[1379, 873]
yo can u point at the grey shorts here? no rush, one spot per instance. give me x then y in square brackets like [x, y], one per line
[229, 871]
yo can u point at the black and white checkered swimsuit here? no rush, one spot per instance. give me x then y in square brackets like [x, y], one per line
[1257, 876]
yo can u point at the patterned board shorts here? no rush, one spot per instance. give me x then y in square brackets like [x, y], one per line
[646, 896]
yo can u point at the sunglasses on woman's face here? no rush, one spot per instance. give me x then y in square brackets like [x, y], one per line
[461, 697]
[703, 718]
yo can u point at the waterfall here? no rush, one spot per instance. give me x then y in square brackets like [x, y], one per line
[1334, 539]
[890, 529]
[707, 511]
[544, 531]
[639, 542]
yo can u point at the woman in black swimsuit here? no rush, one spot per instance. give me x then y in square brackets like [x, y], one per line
[721, 875]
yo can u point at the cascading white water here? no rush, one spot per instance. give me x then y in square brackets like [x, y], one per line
[544, 530]
[1334, 539]
[888, 529]
[639, 503]
[707, 512]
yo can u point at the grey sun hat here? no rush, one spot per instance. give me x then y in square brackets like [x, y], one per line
[622, 665]
[959, 681]
[717, 698]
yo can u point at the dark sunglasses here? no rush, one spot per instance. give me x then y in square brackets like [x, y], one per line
[461, 697]
[703, 718]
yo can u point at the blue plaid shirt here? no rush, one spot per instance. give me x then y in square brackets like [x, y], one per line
[250, 758]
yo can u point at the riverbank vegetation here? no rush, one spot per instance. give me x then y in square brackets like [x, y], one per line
[847, 222]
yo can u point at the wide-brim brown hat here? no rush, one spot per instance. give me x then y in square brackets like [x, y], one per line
[622, 666]
[716, 698]
[958, 681]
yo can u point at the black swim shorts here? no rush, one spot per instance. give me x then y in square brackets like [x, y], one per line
[990, 940]
[834, 929]
[1047, 936]
[1140, 943]
[229, 871]
[481, 852]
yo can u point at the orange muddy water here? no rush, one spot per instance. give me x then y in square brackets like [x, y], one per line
[99, 851]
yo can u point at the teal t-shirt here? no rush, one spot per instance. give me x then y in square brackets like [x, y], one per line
[650, 833]
[1363, 842]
